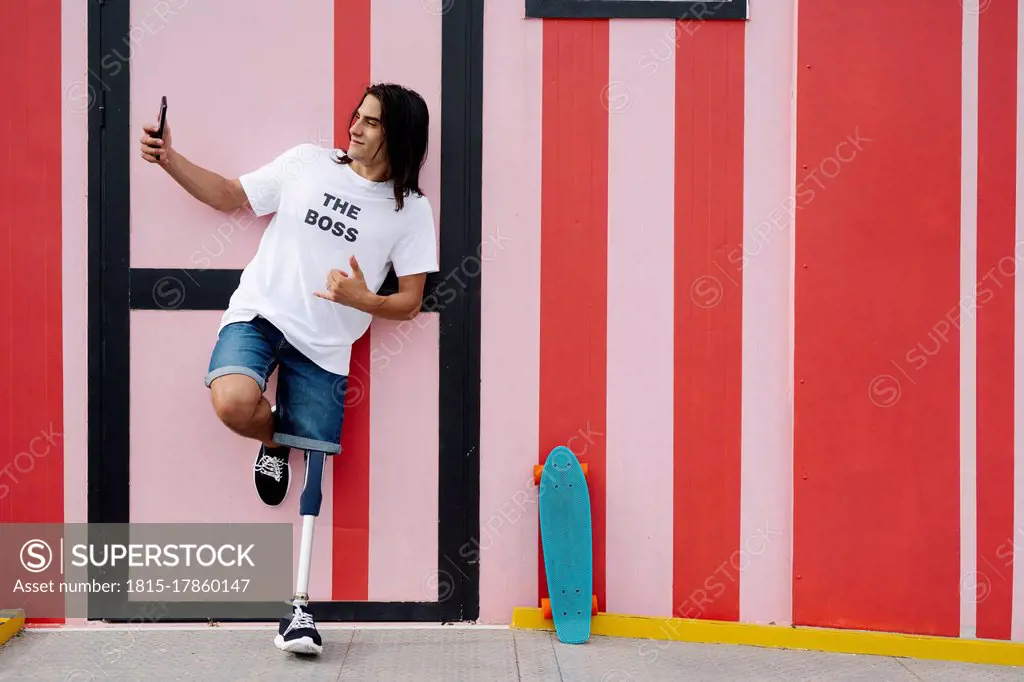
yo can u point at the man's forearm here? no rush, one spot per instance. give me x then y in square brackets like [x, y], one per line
[208, 187]
[400, 306]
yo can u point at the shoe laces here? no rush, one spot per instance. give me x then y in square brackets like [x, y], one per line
[270, 466]
[301, 620]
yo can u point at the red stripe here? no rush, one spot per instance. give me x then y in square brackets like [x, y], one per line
[997, 172]
[877, 470]
[574, 228]
[31, 373]
[708, 320]
[31, 370]
[351, 62]
[351, 548]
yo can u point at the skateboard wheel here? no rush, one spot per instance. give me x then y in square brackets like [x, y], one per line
[545, 608]
[538, 469]
[593, 605]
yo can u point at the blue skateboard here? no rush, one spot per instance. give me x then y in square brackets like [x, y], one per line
[567, 544]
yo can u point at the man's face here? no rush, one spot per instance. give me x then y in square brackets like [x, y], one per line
[366, 134]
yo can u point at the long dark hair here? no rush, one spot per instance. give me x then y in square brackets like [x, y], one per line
[405, 121]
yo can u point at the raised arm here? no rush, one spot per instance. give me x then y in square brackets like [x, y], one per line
[207, 186]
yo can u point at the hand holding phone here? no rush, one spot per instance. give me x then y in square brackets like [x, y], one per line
[156, 141]
[163, 118]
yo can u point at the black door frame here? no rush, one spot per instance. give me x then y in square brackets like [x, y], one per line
[115, 289]
[637, 9]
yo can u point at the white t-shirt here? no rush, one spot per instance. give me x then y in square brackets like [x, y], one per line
[324, 212]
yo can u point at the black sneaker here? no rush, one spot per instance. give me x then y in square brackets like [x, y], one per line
[298, 634]
[272, 474]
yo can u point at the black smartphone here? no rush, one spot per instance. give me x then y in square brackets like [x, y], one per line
[163, 117]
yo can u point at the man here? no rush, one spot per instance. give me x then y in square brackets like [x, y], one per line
[341, 220]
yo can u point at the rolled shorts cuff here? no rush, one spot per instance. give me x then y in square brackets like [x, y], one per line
[235, 369]
[300, 443]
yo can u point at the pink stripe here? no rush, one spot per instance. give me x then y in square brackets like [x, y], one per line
[968, 326]
[766, 593]
[74, 239]
[405, 48]
[1017, 631]
[403, 460]
[179, 444]
[510, 311]
[403, 356]
[641, 103]
[75, 266]
[227, 125]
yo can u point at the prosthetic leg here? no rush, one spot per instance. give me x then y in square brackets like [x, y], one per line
[299, 634]
[309, 509]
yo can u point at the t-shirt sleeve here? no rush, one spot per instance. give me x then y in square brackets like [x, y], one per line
[416, 251]
[265, 185]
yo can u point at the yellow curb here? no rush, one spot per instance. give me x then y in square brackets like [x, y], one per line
[807, 638]
[11, 622]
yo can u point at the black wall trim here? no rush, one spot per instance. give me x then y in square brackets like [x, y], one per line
[182, 289]
[636, 9]
[115, 289]
[109, 248]
[462, 81]
[192, 289]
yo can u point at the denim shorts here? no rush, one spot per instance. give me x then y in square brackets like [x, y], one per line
[310, 401]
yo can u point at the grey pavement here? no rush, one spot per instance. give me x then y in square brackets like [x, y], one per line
[444, 653]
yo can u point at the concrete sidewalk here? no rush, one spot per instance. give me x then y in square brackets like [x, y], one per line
[445, 654]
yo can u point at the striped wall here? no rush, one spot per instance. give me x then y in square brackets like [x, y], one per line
[760, 276]
[752, 259]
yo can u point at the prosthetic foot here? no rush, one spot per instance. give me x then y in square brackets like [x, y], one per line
[298, 634]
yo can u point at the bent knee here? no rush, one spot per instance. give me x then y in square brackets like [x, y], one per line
[235, 398]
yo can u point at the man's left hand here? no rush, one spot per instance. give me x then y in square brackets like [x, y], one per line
[346, 289]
